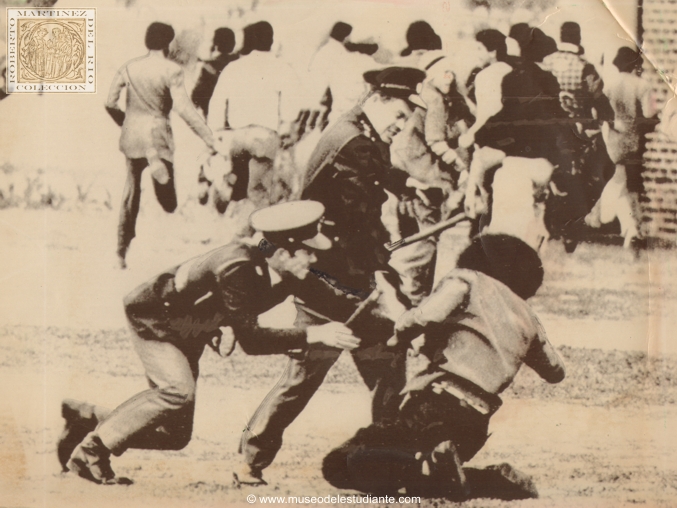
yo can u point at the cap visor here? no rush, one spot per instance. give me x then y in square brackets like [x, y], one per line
[318, 242]
[416, 100]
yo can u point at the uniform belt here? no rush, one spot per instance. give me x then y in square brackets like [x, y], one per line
[480, 400]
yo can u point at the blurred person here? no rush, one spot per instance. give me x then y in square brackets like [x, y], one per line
[220, 56]
[335, 72]
[522, 127]
[446, 113]
[582, 98]
[478, 331]
[485, 86]
[530, 125]
[258, 90]
[427, 151]
[348, 172]
[634, 108]
[3, 77]
[577, 77]
[176, 314]
[154, 86]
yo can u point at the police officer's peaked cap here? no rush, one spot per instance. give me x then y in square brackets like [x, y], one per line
[295, 223]
[397, 82]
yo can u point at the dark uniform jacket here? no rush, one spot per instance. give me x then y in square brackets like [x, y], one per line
[229, 286]
[347, 173]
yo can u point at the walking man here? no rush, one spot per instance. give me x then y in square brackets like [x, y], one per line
[154, 87]
[174, 315]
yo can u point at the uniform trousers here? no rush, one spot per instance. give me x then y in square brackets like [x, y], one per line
[382, 370]
[160, 418]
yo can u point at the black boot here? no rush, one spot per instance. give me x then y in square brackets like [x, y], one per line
[91, 460]
[80, 421]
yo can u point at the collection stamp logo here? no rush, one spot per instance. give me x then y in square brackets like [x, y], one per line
[51, 50]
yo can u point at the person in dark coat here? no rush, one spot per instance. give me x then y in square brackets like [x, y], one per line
[347, 172]
[174, 315]
[530, 124]
[221, 56]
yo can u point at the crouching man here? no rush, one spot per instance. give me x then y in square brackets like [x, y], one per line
[478, 332]
[172, 318]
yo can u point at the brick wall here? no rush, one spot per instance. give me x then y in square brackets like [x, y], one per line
[659, 26]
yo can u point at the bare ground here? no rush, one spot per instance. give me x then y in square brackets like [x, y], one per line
[604, 437]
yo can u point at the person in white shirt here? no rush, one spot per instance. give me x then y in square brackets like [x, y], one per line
[336, 69]
[493, 52]
[256, 100]
[487, 96]
[634, 108]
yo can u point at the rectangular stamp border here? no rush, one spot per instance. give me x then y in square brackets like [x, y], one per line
[12, 84]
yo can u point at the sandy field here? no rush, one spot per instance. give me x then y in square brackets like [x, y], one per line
[603, 437]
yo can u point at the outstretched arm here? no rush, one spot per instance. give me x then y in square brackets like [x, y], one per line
[184, 107]
[217, 119]
[448, 296]
[543, 358]
[238, 299]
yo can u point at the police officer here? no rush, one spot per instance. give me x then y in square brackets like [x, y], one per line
[174, 315]
[347, 172]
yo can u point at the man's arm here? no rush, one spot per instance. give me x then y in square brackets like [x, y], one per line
[543, 358]
[291, 91]
[217, 118]
[111, 105]
[236, 292]
[184, 107]
[449, 295]
[647, 100]
[488, 93]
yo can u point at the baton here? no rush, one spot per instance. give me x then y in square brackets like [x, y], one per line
[440, 226]
[359, 310]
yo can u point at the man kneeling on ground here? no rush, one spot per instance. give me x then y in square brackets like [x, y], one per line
[478, 332]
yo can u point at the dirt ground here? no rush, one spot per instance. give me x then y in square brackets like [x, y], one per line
[604, 437]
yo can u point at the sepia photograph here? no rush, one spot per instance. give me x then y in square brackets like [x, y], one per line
[338, 252]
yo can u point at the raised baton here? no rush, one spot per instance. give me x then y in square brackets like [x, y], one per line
[440, 226]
